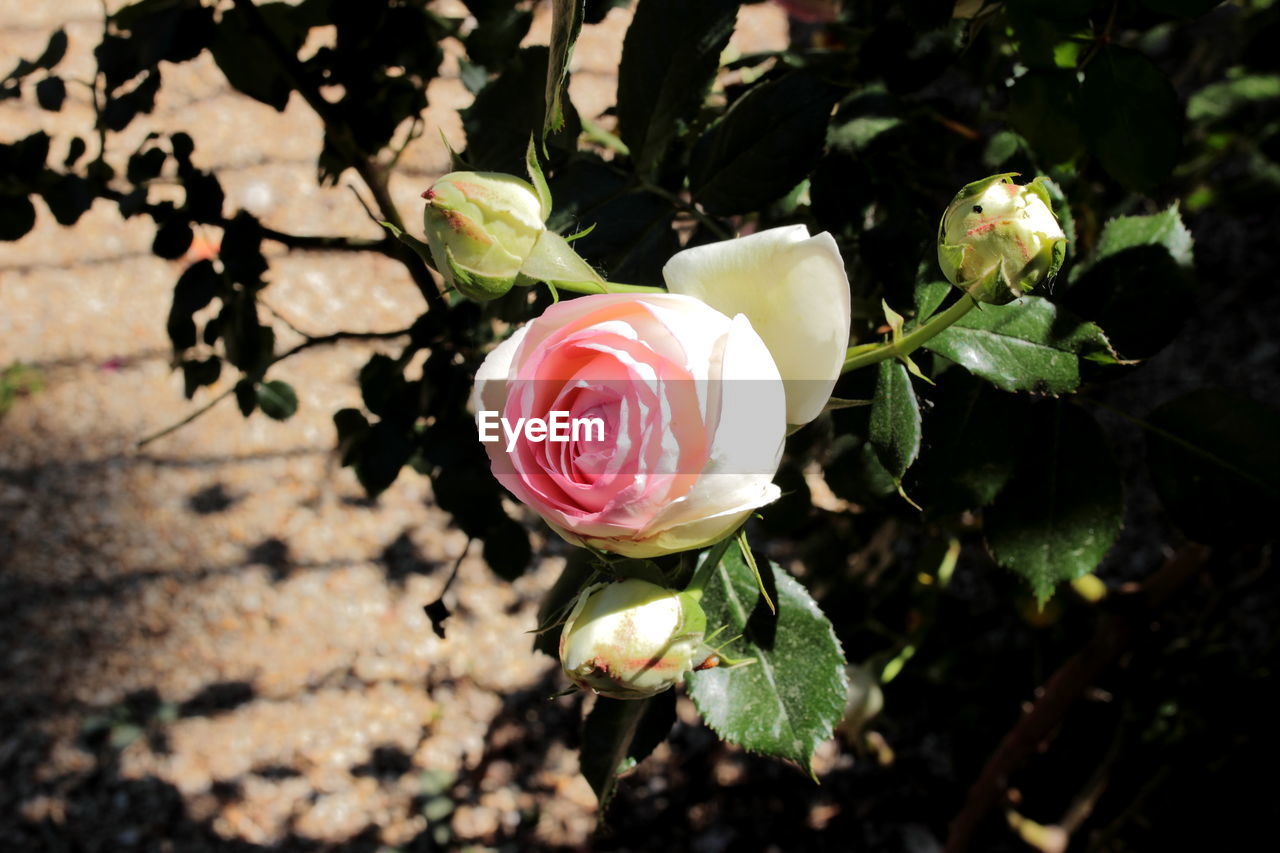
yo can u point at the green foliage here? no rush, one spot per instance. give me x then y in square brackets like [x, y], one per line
[787, 701]
[566, 23]
[277, 400]
[1139, 286]
[666, 71]
[16, 381]
[1215, 461]
[1063, 507]
[866, 133]
[1027, 345]
[895, 419]
[1131, 116]
[620, 733]
[766, 143]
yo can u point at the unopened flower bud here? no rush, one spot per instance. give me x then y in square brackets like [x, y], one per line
[998, 240]
[631, 639]
[481, 227]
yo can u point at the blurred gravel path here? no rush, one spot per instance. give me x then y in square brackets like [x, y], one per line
[218, 639]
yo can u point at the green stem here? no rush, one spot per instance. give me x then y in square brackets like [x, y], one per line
[607, 287]
[865, 355]
[599, 135]
[709, 564]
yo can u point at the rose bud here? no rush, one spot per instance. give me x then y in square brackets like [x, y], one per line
[631, 639]
[998, 240]
[481, 227]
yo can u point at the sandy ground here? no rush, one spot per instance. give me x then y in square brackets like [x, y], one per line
[220, 622]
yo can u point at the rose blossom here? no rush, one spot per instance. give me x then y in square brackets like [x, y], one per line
[693, 398]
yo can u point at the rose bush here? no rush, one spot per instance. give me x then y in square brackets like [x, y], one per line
[690, 385]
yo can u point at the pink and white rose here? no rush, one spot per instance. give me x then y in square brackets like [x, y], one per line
[690, 386]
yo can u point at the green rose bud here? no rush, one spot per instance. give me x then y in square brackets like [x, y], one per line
[482, 227]
[631, 639]
[998, 240]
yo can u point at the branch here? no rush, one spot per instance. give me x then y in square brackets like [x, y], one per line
[868, 354]
[1115, 634]
[316, 242]
[340, 135]
[328, 243]
[319, 340]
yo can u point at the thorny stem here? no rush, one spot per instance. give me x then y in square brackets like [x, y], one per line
[316, 341]
[868, 354]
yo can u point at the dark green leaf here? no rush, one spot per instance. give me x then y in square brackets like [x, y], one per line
[1028, 345]
[54, 50]
[506, 548]
[172, 30]
[500, 27]
[768, 141]
[788, 701]
[1140, 288]
[246, 396]
[895, 418]
[1062, 510]
[17, 216]
[620, 733]
[381, 384]
[566, 23]
[75, 150]
[666, 70]
[1182, 8]
[247, 60]
[69, 197]
[507, 111]
[277, 399]
[1131, 117]
[248, 344]
[50, 93]
[929, 296]
[1042, 106]
[122, 109]
[854, 472]
[555, 606]
[145, 165]
[241, 251]
[23, 160]
[204, 196]
[1163, 229]
[383, 452]
[1222, 98]
[1215, 462]
[194, 290]
[352, 427]
[196, 374]
[173, 238]
[975, 433]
